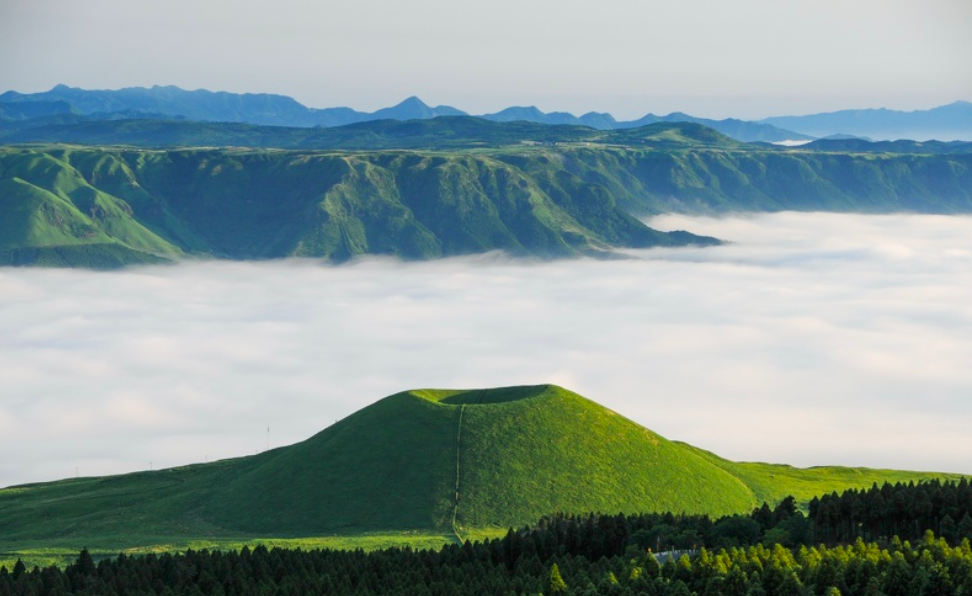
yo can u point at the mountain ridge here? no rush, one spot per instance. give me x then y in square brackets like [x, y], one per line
[281, 110]
[949, 122]
[60, 205]
[105, 207]
[443, 132]
[945, 123]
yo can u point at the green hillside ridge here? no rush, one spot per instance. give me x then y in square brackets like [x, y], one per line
[457, 132]
[767, 480]
[715, 181]
[413, 467]
[266, 204]
[538, 201]
[53, 215]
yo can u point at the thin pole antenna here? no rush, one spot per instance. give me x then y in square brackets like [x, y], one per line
[268, 437]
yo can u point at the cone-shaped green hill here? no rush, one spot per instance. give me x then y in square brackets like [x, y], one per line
[517, 452]
[432, 462]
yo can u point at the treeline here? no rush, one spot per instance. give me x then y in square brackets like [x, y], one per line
[875, 514]
[930, 567]
[766, 552]
[903, 510]
[594, 536]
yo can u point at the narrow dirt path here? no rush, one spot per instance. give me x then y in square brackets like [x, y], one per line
[458, 498]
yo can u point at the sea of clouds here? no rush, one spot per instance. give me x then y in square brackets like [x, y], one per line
[812, 339]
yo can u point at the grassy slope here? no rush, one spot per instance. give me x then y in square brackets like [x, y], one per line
[387, 474]
[555, 450]
[51, 215]
[386, 467]
[772, 482]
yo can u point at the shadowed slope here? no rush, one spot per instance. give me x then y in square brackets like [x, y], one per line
[388, 466]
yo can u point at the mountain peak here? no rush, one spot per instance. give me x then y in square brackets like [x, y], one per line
[412, 102]
[414, 108]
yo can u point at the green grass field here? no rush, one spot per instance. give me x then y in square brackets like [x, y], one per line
[45, 556]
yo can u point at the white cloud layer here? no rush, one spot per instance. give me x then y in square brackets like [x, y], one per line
[813, 339]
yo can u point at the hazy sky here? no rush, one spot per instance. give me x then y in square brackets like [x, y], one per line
[815, 339]
[745, 58]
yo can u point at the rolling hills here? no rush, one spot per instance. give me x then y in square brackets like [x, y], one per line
[420, 463]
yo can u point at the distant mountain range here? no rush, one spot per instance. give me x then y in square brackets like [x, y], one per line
[740, 130]
[64, 105]
[945, 123]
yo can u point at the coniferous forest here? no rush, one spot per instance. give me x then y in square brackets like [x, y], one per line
[861, 542]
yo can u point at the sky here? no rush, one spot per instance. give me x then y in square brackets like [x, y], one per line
[812, 339]
[746, 59]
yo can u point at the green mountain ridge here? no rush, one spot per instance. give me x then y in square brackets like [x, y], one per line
[155, 205]
[446, 132]
[417, 463]
[103, 207]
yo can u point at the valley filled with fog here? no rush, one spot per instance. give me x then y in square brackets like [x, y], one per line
[811, 339]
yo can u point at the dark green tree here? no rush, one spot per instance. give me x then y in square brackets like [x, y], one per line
[948, 529]
[19, 569]
[965, 526]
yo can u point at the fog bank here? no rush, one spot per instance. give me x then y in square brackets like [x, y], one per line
[813, 339]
